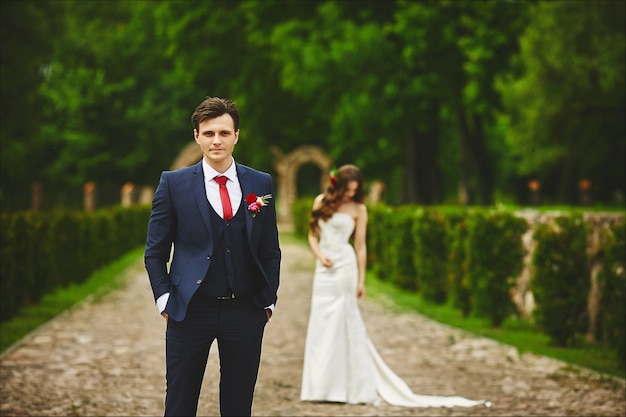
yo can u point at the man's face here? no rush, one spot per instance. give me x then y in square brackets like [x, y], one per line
[217, 138]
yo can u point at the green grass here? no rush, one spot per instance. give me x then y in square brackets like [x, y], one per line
[98, 284]
[518, 333]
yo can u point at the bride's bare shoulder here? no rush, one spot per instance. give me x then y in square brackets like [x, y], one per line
[361, 209]
[354, 209]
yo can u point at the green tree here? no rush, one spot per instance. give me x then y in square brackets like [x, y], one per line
[103, 90]
[125, 77]
[457, 48]
[26, 35]
[343, 62]
[565, 102]
[398, 82]
[112, 95]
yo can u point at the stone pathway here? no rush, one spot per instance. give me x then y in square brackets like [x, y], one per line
[106, 358]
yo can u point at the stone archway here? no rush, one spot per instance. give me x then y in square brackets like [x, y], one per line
[287, 167]
[188, 156]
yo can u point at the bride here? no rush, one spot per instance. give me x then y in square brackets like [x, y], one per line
[340, 362]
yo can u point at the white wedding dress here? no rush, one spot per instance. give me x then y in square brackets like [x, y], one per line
[340, 362]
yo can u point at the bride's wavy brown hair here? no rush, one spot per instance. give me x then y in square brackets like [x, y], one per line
[334, 194]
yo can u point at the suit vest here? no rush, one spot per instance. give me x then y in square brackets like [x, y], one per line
[232, 265]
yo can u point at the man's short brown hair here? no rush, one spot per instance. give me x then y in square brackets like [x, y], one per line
[212, 107]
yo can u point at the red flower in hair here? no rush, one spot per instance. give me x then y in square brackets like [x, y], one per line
[333, 177]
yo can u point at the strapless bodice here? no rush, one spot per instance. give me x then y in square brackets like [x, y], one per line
[336, 231]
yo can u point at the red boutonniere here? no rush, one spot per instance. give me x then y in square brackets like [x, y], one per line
[333, 177]
[256, 202]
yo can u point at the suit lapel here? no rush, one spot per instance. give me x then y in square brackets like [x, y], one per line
[199, 193]
[245, 182]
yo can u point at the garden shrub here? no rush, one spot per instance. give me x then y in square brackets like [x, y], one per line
[431, 254]
[495, 255]
[401, 248]
[301, 213]
[379, 238]
[480, 254]
[458, 283]
[612, 279]
[560, 278]
[42, 251]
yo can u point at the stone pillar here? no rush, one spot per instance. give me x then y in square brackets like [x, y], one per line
[595, 244]
[126, 194]
[376, 191]
[534, 186]
[146, 195]
[37, 195]
[521, 294]
[285, 192]
[89, 196]
[584, 195]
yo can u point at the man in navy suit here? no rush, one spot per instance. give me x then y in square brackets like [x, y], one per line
[223, 278]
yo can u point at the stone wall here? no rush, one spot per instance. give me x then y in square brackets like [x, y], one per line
[522, 294]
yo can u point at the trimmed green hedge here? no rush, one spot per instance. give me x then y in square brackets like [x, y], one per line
[42, 251]
[495, 257]
[380, 237]
[560, 280]
[612, 280]
[460, 293]
[429, 234]
[301, 211]
[472, 258]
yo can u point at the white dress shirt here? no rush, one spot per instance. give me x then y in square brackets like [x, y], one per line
[213, 189]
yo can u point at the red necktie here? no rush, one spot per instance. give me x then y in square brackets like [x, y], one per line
[226, 206]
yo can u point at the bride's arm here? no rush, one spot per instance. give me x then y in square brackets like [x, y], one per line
[360, 247]
[315, 248]
[314, 242]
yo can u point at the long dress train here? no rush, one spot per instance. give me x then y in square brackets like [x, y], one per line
[340, 362]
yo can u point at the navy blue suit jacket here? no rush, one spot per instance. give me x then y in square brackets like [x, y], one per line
[180, 216]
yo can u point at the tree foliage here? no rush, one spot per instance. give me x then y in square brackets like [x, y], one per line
[565, 104]
[445, 101]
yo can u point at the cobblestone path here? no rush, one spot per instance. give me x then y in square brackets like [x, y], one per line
[106, 358]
